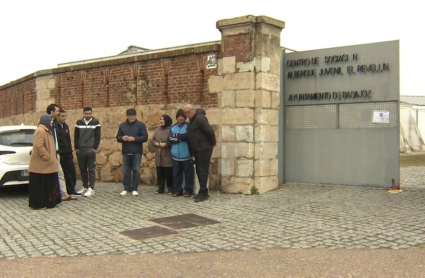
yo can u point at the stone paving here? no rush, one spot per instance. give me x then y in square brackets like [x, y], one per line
[294, 216]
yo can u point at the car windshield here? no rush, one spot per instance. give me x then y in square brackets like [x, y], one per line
[17, 138]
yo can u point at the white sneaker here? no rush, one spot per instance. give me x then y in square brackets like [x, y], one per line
[82, 191]
[123, 193]
[135, 193]
[89, 192]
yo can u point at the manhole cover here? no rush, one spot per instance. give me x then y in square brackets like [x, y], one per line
[145, 233]
[184, 221]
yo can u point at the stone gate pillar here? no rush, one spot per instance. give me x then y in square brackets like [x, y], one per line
[248, 87]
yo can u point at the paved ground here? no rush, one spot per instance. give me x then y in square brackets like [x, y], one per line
[292, 217]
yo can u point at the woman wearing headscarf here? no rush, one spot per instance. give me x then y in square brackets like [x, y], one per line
[43, 168]
[163, 158]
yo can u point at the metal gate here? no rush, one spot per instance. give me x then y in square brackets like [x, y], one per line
[339, 121]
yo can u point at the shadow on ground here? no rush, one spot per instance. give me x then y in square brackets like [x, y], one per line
[412, 159]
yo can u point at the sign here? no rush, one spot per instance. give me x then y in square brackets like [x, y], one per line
[211, 61]
[381, 117]
[350, 74]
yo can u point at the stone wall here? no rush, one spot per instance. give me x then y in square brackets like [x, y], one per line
[109, 159]
[240, 95]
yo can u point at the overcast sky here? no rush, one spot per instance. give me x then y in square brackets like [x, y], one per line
[39, 34]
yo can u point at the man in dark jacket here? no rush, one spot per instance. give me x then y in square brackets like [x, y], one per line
[131, 134]
[86, 142]
[65, 152]
[201, 142]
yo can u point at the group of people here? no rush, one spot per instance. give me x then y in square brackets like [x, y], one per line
[52, 174]
[177, 147]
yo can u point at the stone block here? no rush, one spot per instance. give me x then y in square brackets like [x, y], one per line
[245, 67]
[220, 66]
[214, 116]
[109, 132]
[267, 116]
[271, 116]
[227, 99]
[228, 150]
[215, 84]
[51, 84]
[227, 133]
[265, 150]
[41, 105]
[105, 173]
[275, 100]
[262, 133]
[239, 81]
[150, 156]
[101, 159]
[43, 94]
[118, 175]
[226, 167]
[245, 98]
[115, 159]
[267, 81]
[265, 184]
[244, 150]
[262, 167]
[245, 133]
[274, 167]
[216, 151]
[244, 168]
[262, 65]
[41, 83]
[236, 185]
[147, 175]
[262, 99]
[238, 116]
[229, 64]
[105, 144]
[274, 133]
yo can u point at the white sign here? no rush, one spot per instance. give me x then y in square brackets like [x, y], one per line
[211, 61]
[381, 117]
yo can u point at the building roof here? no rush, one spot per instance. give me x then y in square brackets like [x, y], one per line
[133, 50]
[413, 100]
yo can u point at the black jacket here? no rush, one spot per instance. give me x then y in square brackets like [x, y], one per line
[135, 129]
[87, 136]
[63, 137]
[200, 134]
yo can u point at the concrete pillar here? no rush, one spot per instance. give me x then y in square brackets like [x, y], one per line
[248, 86]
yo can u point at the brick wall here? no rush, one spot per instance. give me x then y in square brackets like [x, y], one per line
[18, 99]
[171, 77]
[238, 46]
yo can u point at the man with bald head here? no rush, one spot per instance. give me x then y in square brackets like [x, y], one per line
[202, 140]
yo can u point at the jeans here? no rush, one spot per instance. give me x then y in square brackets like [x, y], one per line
[87, 165]
[202, 168]
[183, 167]
[131, 163]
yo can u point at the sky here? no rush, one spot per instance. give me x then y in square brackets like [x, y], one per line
[39, 34]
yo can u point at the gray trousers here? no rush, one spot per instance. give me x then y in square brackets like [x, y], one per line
[87, 164]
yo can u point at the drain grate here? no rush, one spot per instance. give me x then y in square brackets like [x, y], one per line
[184, 221]
[149, 232]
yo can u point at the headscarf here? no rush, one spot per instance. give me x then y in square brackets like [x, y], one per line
[167, 121]
[45, 120]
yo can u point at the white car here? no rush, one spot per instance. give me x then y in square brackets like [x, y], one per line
[15, 151]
